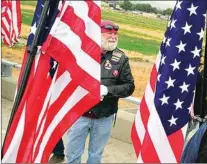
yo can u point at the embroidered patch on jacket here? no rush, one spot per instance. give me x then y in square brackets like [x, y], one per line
[116, 73]
[107, 65]
[116, 56]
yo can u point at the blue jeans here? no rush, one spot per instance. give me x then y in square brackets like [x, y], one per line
[99, 130]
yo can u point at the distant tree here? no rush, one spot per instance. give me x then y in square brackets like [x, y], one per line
[126, 5]
[133, 7]
[148, 8]
[167, 11]
[112, 4]
[159, 11]
[154, 10]
[145, 7]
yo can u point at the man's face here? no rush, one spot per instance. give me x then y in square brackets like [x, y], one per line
[109, 41]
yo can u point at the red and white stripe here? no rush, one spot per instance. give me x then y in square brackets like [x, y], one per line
[10, 21]
[150, 141]
[50, 107]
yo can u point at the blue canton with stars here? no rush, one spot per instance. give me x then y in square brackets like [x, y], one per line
[51, 15]
[180, 58]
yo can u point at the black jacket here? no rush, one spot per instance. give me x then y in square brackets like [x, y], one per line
[197, 101]
[116, 76]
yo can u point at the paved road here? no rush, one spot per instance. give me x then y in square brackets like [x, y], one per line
[116, 151]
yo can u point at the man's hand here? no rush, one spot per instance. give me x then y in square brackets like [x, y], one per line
[103, 91]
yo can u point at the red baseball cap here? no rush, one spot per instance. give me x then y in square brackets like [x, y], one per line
[108, 26]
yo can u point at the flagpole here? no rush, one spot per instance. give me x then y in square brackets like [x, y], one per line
[203, 110]
[26, 71]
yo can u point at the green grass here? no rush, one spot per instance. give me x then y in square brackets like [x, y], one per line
[27, 16]
[146, 47]
[129, 40]
[140, 21]
[138, 34]
[135, 21]
[29, 2]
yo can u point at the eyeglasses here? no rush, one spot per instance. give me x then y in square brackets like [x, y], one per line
[110, 27]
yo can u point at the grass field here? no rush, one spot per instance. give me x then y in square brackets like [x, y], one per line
[135, 21]
[137, 33]
[27, 2]
[137, 40]
[27, 16]
[144, 46]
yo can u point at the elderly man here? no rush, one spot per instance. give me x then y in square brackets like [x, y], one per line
[116, 82]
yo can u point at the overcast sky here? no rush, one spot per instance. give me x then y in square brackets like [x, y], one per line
[160, 4]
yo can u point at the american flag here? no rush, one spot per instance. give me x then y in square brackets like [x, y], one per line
[159, 128]
[10, 21]
[64, 82]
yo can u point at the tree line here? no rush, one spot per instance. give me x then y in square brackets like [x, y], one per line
[127, 5]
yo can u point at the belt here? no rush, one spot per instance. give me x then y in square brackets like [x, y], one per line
[90, 115]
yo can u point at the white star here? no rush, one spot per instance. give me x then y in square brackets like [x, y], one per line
[54, 64]
[33, 29]
[184, 87]
[164, 99]
[181, 47]
[175, 65]
[201, 34]
[173, 121]
[170, 82]
[178, 104]
[178, 5]
[164, 39]
[158, 77]
[172, 25]
[192, 9]
[196, 52]
[190, 70]
[168, 42]
[163, 60]
[187, 28]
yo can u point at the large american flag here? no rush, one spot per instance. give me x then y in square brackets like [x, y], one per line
[158, 132]
[10, 21]
[64, 82]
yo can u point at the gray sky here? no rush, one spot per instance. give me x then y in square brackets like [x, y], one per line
[160, 4]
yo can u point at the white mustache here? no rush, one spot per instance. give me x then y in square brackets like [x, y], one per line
[114, 40]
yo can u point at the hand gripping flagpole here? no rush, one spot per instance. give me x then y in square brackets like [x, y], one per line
[203, 110]
[31, 54]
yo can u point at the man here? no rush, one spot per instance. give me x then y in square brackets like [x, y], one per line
[116, 82]
[196, 148]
